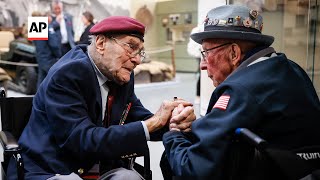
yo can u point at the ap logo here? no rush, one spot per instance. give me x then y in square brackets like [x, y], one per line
[37, 28]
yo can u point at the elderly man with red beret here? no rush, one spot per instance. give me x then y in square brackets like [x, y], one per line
[86, 112]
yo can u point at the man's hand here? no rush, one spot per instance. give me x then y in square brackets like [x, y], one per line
[182, 118]
[162, 116]
[58, 18]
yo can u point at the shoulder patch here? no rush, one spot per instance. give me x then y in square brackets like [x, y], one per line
[222, 102]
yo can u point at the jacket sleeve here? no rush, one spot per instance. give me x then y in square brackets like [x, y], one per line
[74, 131]
[202, 155]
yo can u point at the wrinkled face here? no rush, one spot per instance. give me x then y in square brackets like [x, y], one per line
[219, 62]
[115, 60]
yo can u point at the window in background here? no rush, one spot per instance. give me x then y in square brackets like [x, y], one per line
[295, 24]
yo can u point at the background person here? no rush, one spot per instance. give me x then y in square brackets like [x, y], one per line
[64, 20]
[77, 120]
[47, 51]
[87, 19]
[256, 88]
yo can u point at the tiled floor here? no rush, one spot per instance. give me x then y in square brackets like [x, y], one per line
[151, 96]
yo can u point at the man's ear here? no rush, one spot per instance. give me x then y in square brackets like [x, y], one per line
[100, 44]
[235, 54]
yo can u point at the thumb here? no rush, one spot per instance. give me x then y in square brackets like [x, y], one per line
[180, 108]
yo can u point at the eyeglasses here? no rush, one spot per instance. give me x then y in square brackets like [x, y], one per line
[132, 50]
[205, 53]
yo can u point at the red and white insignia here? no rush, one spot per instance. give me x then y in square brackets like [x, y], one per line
[222, 102]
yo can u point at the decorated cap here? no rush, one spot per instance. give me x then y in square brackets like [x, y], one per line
[119, 25]
[233, 22]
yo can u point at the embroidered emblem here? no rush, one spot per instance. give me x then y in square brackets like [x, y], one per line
[222, 102]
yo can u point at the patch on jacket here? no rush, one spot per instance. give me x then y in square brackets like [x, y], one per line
[222, 102]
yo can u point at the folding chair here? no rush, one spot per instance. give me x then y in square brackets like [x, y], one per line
[15, 113]
[267, 162]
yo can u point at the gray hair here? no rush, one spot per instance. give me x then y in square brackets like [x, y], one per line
[57, 2]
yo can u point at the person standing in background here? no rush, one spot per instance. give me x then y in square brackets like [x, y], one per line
[47, 51]
[64, 20]
[87, 19]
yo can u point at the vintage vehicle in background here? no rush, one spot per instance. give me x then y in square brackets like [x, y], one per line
[20, 63]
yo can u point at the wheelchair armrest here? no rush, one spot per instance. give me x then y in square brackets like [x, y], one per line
[8, 142]
[251, 138]
[11, 147]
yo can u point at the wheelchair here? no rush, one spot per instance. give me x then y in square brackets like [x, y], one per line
[263, 161]
[15, 113]
[252, 158]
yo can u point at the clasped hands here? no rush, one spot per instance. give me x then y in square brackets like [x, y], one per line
[182, 118]
[178, 114]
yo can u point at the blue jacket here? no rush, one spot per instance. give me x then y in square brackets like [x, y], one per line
[65, 130]
[48, 51]
[274, 98]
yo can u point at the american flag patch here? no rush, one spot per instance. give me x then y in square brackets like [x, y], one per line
[222, 102]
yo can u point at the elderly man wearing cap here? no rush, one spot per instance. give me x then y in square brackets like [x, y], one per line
[86, 112]
[256, 88]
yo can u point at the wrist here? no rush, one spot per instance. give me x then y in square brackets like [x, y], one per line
[153, 123]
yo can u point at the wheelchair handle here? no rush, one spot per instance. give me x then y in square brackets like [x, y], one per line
[251, 137]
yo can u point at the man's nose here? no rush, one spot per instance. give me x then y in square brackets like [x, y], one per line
[203, 65]
[136, 59]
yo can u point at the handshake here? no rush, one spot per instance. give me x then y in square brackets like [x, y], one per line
[177, 113]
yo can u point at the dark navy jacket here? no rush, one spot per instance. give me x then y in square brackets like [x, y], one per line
[274, 98]
[48, 51]
[65, 130]
[84, 38]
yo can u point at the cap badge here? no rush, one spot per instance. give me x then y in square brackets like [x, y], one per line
[230, 21]
[213, 22]
[253, 14]
[222, 22]
[256, 25]
[206, 20]
[238, 21]
[247, 22]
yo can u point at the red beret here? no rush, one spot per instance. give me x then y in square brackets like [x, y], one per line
[119, 25]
